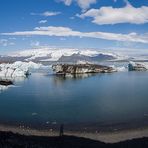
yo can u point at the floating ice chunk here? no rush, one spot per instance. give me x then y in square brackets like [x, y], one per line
[132, 66]
[17, 69]
[120, 68]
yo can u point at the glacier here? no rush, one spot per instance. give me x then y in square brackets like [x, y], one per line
[54, 54]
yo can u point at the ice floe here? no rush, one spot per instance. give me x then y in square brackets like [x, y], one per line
[134, 66]
[17, 69]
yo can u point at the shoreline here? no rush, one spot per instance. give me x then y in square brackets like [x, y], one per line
[107, 137]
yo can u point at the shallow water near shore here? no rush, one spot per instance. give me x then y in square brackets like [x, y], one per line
[92, 101]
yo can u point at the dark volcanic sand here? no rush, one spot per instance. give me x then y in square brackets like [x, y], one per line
[10, 140]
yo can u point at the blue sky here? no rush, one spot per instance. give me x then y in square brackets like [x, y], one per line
[101, 24]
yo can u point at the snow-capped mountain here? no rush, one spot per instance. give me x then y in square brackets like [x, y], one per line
[59, 55]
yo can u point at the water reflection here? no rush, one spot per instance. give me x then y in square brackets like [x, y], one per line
[59, 79]
[101, 98]
[14, 79]
[11, 82]
[2, 88]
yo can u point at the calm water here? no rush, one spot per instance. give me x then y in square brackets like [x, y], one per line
[102, 98]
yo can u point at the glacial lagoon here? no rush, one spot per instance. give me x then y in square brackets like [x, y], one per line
[44, 100]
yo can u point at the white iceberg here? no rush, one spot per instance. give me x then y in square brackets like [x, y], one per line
[121, 69]
[17, 69]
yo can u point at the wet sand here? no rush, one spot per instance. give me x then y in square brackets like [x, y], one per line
[107, 137]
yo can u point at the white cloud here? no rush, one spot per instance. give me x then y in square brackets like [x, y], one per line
[42, 21]
[110, 15]
[67, 32]
[84, 4]
[47, 13]
[5, 42]
[67, 2]
[35, 43]
[62, 39]
[72, 17]
[12, 38]
[11, 43]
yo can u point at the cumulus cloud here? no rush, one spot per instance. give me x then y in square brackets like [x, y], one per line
[46, 13]
[110, 15]
[84, 4]
[68, 32]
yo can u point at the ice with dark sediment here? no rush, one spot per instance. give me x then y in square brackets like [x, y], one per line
[10, 72]
[81, 68]
[133, 66]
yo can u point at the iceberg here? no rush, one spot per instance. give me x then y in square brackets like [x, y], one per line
[4, 84]
[65, 69]
[17, 69]
[132, 66]
[120, 68]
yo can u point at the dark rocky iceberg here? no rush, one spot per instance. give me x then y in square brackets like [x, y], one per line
[6, 82]
[81, 68]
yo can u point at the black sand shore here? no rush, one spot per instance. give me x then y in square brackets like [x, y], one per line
[106, 137]
[11, 140]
